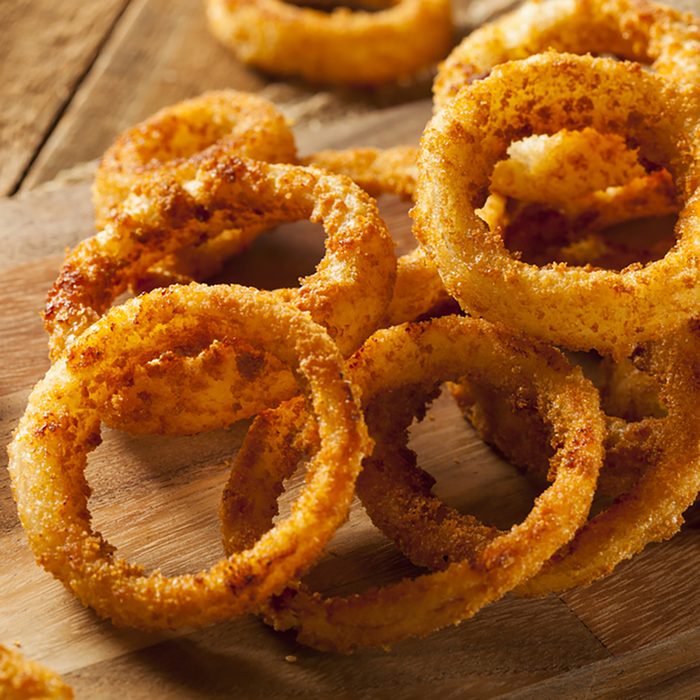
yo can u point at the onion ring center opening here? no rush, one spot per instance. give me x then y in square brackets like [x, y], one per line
[278, 258]
[469, 475]
[176, 479]
[331, 6]
[540, 236]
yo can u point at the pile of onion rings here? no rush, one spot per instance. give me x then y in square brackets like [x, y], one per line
[529, 158]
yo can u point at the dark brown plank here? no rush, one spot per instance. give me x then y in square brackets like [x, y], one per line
[45, 49]
[668, 670]
[665, 570]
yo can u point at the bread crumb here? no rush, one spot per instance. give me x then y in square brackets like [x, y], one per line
[291, 658]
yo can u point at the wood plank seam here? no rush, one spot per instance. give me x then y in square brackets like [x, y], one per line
[593, 634]
[58, 116]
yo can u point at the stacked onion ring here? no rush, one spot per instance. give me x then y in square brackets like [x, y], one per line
[335, 370]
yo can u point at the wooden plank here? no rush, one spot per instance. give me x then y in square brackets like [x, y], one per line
[45, 49]
[644, 673]
[248, 660]
[667, 569]
[31, 225]
[159, 53]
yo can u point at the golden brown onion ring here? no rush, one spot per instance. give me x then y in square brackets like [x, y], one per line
[650, 468]
[512, 426]
[21, 679]
[637, 30]
[652, 511]
[348, 293]
[422, 355]
[590, 178]
[225, 121]
[573, 307]
[356, 48]
[61, 426]
[418, 289]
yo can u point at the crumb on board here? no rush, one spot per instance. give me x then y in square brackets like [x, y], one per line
[291, 658]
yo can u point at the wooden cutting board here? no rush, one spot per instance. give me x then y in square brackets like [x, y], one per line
[635, 634]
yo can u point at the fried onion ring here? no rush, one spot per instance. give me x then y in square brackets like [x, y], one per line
[652, 510]
[226, 121]
[650, 468]
[356, 48]
[573, 307]
[418, 290]
[21, 679]
[348, 294]
[637, 30]
[512, 426]
[424, 354]
[61, 426]
[587, 176]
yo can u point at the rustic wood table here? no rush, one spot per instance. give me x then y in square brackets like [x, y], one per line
[72, 76]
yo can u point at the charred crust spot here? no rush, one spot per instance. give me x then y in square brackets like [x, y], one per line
[201, 213]
[86, 358]
[584, 104]
[48, 427]
[249, 364]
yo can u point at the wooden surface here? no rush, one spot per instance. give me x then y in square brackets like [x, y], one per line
[73, 76]
[46, 47]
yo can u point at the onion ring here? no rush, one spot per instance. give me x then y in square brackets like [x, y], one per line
[423, 354]
[650, 468]
[502, 422]
[418, 290]
[225, 121]
[632, 29]
[61, 426]
[21, 679]
[587, 176]
[573, 307]
[653, 510]
[207, 195]
[348, 293]
[356, 48]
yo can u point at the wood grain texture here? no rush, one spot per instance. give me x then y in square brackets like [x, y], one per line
[632, 635]
[161, 53]
[45, 49]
